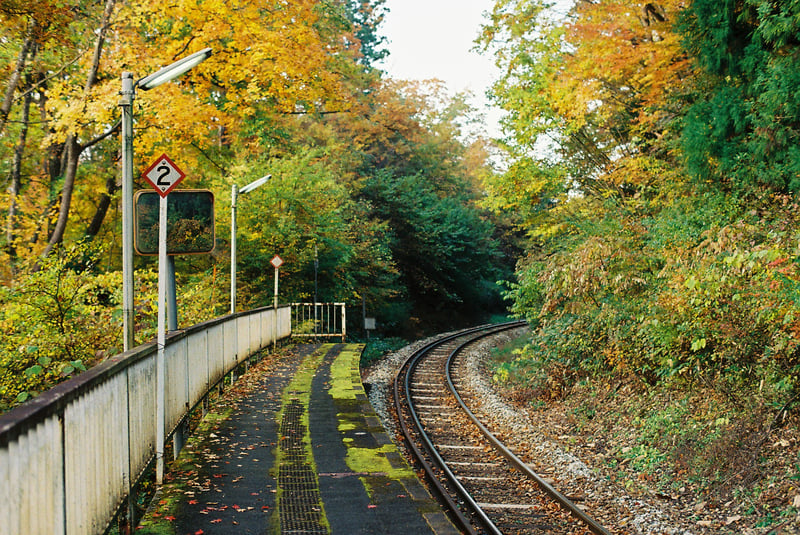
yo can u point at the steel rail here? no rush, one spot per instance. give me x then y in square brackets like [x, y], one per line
[515, 461]
[441, 465]
[443, 493]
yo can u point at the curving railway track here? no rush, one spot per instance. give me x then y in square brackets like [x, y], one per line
[484, 485]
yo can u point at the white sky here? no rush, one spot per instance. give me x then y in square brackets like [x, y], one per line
[433, 39]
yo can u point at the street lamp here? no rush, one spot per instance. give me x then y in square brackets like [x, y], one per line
[234, 194]
[128, 94]
[174, 70]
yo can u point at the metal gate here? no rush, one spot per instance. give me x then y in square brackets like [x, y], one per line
[319, 320]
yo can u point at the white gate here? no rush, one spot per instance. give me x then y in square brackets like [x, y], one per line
[319, 320]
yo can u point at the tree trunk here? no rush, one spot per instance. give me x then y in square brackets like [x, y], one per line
[102, 208]
[16, 178]
[11, 88]
[74, 148]
[73, 151]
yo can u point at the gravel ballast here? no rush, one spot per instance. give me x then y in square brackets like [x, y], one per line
[578, 472]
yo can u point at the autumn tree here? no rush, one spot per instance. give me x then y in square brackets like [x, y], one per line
[61, 68]
[282, 58]
[651, 148]
[591, 102]
[374, 190]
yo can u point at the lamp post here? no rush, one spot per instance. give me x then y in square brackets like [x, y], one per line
[234, 195]
[126, 103]
[316, 270]
[128, 94]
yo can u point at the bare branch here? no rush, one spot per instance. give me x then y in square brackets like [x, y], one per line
[8, 100]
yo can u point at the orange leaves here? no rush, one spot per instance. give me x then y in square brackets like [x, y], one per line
[279, 57]
[52, 19]
[268, 58]
[624, 62]
[588, 98]
[398, 115]
[619, 43]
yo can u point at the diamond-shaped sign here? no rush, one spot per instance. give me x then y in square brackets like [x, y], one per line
[164, 175]
[277, 261]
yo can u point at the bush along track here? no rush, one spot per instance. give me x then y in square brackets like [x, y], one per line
[712, 463]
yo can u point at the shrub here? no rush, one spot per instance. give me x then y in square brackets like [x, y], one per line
[58, 320]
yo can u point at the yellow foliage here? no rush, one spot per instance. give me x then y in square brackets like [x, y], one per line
[274, 56]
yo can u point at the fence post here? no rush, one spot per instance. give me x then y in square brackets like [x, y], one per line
[344, 322]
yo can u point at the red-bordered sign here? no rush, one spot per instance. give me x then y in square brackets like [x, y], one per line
[277, 261]
[164, 175]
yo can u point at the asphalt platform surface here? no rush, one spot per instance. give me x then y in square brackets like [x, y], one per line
[297, 449]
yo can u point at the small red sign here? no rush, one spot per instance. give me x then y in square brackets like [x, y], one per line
[277, 261]
[164, 175]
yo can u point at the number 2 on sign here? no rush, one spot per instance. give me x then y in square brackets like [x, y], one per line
[165, 171]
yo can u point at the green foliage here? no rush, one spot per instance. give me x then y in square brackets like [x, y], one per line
[741, 125]
[306, 217]
[441, 244]
[376, 348]
[59, 320]
[699, 300]
[366, 17]
[660, 243]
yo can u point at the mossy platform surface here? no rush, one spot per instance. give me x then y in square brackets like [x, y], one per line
[301, 451]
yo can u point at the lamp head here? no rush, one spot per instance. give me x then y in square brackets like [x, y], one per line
[174, 70]
[255, 184]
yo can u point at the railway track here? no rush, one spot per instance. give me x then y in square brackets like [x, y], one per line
[484, 485]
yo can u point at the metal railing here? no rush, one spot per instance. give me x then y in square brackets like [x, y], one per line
[71, 456]
[319, 320]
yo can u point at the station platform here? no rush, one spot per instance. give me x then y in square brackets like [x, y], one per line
[296, 449]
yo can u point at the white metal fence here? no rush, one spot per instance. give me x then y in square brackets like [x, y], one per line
[69, 457]
[319, 320]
